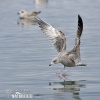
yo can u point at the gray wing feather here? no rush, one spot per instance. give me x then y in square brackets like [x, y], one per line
[56, 36]
[75, 52]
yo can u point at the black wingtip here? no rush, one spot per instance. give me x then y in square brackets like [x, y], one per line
[80, 20]
[79, 16]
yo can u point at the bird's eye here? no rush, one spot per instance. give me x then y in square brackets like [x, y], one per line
[54, 61]
[22, 11]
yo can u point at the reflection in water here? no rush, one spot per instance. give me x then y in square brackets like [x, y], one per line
[26, 22]
[40, 2]
[69, 87]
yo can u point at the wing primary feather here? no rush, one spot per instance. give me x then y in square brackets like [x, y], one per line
[76, 50]
[57, 37]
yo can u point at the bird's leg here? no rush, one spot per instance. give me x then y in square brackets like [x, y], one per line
[62, 71]
[64, 67]
[62, 74]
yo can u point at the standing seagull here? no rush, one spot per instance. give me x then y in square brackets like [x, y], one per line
[68, 59]
[23, 14]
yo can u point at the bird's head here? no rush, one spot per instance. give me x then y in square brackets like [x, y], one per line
[54, 61]
[21, 13]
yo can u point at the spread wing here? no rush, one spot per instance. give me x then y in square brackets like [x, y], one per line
[79, 30]
[75, 52]
[57, 37]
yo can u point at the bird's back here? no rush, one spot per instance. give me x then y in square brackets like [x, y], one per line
[66, 59]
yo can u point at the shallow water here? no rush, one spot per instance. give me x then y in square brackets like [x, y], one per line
[25, 52]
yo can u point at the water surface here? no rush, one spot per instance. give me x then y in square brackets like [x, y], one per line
[25, 52]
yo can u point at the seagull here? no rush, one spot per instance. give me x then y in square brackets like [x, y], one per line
[23, 14]
[58, 39]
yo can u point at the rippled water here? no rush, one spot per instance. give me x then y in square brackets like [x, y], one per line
[25, 52]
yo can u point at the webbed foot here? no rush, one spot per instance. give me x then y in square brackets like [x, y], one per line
[62, 74]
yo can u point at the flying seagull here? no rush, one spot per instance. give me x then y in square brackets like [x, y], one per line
[23, 14]
[68, 59]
